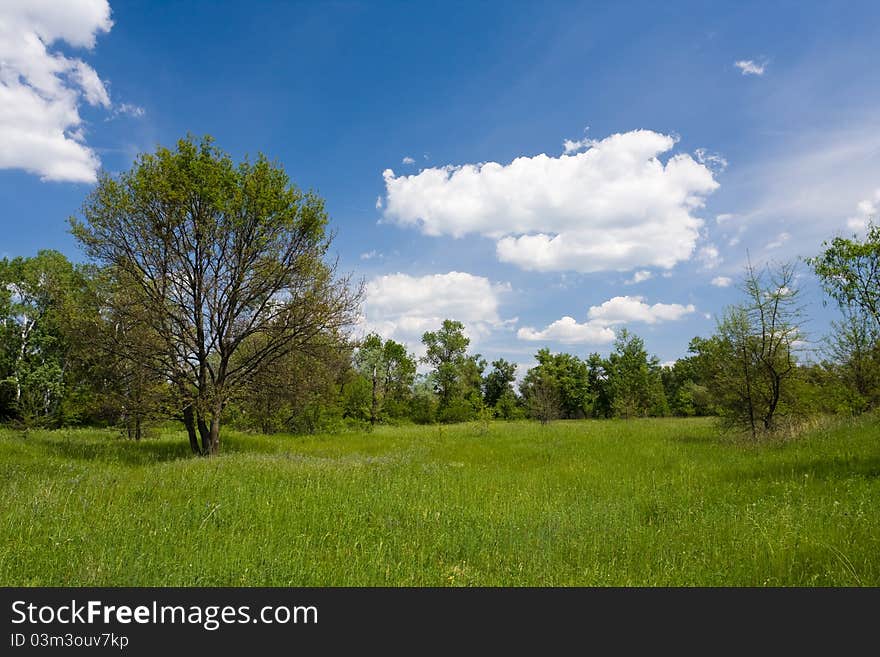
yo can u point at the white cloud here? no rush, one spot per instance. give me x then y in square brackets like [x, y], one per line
[866, 210]
[620, 310]
[570, 146]
[128, 109]
[408, 160]
[709, 256]
[713, 161]
[781, 239]
[596, 330]
[750, 67]
[41, 130]
[569, 331]
[378, 202]
[403, 307]
[615, 206]
[369, 255]
[724, 218]
[722, 281]
[639, 276]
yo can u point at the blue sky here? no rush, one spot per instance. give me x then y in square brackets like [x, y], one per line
[687, 160]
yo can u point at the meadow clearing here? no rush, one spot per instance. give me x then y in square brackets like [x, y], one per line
[590, 503]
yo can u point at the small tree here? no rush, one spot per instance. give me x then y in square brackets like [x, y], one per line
[543, 397]
[753, 358]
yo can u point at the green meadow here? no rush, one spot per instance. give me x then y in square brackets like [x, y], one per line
[655, 502]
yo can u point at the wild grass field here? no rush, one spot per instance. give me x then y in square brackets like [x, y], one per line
[639, 502]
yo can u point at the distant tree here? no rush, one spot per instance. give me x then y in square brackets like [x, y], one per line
[568, 374]
[423, 403]
[599, 385]
[853, 351]
[301, 392]
[457, 377]
[399, 375]
[446, 352]
[499, 381]
[685, 384]
[634, 379]
[542, 394]
[499, 394]
[40, 304]
[223, 264]
[389, 369]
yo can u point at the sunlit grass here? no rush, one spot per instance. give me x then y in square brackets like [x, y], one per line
[646, 502]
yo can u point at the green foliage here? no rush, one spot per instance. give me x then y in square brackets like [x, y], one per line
[685, 384]
[389, 371]
[457, 376]
[634, 380]
[557, 387]
[424, 403]
[41, 306]
[499, 382]
[850, 273]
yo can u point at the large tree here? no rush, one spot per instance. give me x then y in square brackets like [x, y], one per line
[223, 270]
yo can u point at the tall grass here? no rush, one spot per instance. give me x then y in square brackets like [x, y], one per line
[645, 502]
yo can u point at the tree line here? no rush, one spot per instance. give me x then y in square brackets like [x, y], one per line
[209, 298]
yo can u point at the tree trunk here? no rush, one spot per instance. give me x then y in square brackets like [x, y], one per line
[215, 434]
[205, 433]
[374, 402]
[190, 421]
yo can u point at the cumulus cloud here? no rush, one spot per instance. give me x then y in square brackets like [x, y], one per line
[722, 281]
[41, 130]
[569, 331]
[408, 160]
[403, 307]
[614, 206]
[378, 202]
[639, 276]
[750, 67]
[621, 310]
[596, 330]
[866, 210]
[570, 146]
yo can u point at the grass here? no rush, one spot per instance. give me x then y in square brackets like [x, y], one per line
[645, 502]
